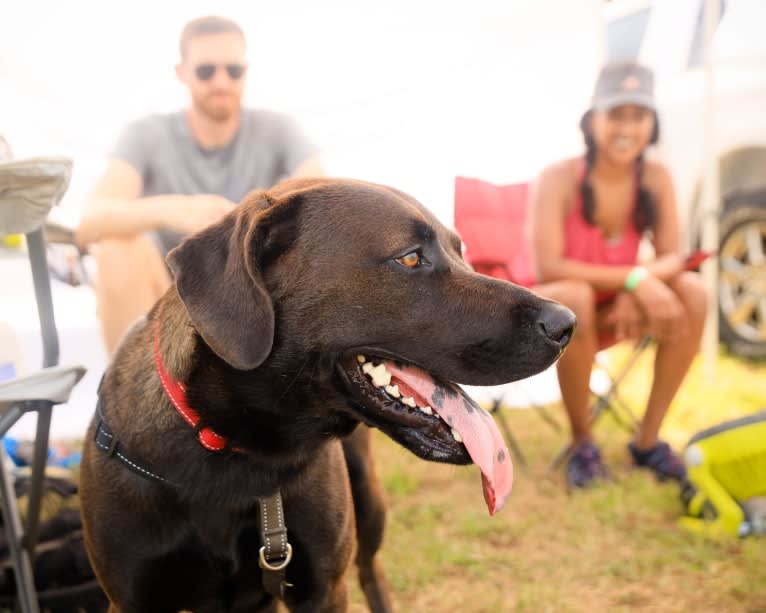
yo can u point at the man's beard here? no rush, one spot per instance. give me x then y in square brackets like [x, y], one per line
[215, 112]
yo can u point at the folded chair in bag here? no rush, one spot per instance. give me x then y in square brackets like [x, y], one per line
[491, 219]
[28, 190]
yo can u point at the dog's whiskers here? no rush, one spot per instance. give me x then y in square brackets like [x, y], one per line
[313, 372]
[292, 381]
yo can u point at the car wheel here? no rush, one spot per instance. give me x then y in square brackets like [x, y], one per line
[742, 281]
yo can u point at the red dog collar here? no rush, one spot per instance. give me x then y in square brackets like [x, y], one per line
[176, 393]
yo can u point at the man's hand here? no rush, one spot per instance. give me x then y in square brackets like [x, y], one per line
[662, 308]
[190, 214]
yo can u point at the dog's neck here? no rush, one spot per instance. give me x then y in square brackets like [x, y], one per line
[247, 411]
[177, 337]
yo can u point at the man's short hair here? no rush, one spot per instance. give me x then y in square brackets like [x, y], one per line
[206, 25]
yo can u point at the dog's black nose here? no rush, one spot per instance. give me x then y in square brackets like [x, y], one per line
[557, 323]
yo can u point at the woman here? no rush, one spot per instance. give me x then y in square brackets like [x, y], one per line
[588, 217]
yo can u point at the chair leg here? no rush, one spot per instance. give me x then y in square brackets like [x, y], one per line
[561, 456]
[547, 417]
[620, 412]
[22, 566]
[37, 480]
[611, 400]
[601, 404]
[512, 443]
[42, 283]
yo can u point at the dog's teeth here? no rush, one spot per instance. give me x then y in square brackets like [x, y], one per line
[456, 436]
[361, 359]
[427, 410]
[409, 401]
[393, 390]
[379, 375]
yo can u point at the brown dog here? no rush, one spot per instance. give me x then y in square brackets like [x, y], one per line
[312, 308]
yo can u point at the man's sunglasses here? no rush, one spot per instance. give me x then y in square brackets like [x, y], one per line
[205, 72]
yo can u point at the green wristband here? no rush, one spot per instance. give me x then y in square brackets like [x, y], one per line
[635, 276]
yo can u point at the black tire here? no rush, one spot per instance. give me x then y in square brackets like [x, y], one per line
[742, 281]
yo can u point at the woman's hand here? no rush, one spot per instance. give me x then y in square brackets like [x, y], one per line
[663, 310]
[625, 317]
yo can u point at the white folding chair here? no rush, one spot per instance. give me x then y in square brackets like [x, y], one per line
[29, 188]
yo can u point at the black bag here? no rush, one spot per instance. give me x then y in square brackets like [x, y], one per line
[63, 575]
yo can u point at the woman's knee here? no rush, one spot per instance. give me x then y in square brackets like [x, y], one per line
[690, 289]
[579, 296]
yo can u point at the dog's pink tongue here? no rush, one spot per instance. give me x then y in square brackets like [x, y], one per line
[476, 427]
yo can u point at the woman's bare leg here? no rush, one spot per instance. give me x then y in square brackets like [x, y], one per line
[574, 367]
[674, 358]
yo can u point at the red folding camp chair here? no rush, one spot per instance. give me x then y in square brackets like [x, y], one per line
[491, 220]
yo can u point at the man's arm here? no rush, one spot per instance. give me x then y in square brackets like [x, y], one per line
[111, 211]
[116, 209]
[299, 155]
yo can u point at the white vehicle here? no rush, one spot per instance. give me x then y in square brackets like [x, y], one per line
[668, 35]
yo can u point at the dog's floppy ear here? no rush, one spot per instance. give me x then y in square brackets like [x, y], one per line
[218, 276]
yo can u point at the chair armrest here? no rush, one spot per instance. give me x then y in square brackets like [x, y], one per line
[31, 187]
[52, 384]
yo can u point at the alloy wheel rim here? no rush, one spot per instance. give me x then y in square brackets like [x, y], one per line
[742, 281]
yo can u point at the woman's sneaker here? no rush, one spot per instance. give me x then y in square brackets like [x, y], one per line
[585, 466]
[661, 460]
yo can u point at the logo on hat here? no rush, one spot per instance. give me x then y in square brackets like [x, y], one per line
[630, 83]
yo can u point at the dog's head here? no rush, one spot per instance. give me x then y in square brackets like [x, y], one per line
[365, 282]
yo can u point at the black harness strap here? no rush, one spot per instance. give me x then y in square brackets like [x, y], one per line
[275, 553]
[107, 442]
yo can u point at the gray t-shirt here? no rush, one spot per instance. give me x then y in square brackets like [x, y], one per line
[267, 148]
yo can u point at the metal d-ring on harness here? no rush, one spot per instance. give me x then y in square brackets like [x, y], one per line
[275, 553]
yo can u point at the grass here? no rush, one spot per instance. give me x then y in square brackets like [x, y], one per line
[614, 548]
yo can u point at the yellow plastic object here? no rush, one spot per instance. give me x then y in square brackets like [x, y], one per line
[12, 241]
[727, 465]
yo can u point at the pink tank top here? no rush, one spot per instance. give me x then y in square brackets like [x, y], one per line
[586, 243]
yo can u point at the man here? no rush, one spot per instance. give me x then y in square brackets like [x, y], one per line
[171, 175]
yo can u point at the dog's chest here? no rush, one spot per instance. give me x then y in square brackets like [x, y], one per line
[222, 533]
[218, 525]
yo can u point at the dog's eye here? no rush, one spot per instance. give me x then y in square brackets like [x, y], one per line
[410, 260]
